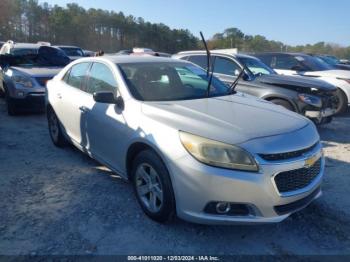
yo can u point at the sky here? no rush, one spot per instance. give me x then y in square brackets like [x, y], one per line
[292, 22]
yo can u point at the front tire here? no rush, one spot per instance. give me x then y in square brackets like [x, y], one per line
[55, 129]
[152, 186]
[342, 102]
[283, 103]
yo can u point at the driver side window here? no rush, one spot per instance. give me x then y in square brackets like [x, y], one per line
[101, 78]
[225, 66]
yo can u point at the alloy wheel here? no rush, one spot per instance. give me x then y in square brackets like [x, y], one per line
[149, 187]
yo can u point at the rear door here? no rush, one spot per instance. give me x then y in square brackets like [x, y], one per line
[71, 97]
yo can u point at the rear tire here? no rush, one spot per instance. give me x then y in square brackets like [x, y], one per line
[342, 102]
[284, 103]
[152, 186]
[55, 129]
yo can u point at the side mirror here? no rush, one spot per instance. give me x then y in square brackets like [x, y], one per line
[104, 97]
[119, 102]
[245, 77]
[297, 68]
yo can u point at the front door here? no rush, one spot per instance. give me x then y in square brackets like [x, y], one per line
[105, 129]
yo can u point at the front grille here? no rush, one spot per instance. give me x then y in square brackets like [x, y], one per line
[297, 179]
[287, 155]
[330, 102]
[297, 205]
[42, 80]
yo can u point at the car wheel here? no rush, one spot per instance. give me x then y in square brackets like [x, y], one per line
[283, 103]
[152, 186]
[342, 102]
[55, 130]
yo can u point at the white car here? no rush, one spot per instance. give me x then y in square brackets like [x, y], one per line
[306, 65]
[204, 152]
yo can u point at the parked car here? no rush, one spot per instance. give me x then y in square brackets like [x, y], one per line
[305, 65]
[142, 52]
[310, 97]
[23, 77]
[345, 61]
[20, 49]
[73, 52]
[88, 53]
[333, 62]
[209, 155]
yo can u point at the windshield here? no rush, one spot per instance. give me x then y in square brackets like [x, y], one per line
[313, 63]
[24, 51]
[330, 60]
[71, 51]
[169, 81]
[256, 67]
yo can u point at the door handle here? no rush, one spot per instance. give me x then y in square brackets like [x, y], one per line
[59, 96]
[83, 109]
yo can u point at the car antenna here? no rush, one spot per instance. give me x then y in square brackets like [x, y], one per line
[210, 65]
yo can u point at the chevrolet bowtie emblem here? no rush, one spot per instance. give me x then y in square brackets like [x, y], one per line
[311, 161]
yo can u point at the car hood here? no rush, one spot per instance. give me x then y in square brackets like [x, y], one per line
[38, 71]
[230, 119]
[292, 81]
[330, 73]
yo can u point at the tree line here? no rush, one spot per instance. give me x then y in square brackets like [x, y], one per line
[96, 29]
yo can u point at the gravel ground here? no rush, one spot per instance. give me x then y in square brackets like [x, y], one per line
[59, 201]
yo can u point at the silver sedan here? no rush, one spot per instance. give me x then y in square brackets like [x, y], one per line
[204, 153]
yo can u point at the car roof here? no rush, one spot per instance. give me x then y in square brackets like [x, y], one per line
[126, 59]
[67, 46]
[230, 52]
[281, 53]
[26, 45]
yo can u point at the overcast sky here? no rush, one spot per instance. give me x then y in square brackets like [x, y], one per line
[290, 21]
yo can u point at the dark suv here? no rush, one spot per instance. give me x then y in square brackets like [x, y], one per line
[24, 71]
[310, 97]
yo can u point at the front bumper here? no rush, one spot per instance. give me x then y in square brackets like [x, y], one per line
[197, 184]
[319, 114]
[30, 102]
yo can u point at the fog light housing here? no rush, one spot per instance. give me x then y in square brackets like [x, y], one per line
[223, 207]
[229, 209]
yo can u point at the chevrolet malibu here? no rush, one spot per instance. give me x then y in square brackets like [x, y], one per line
[202, 152]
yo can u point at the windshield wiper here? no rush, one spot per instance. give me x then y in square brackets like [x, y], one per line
[210, 65]
[234, 84]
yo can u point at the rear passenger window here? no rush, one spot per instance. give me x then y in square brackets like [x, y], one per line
[66, 76]
[285, 62]
[101, 78]
[77, 75]
[200, 60]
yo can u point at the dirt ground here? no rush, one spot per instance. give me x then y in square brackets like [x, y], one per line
[59, 201]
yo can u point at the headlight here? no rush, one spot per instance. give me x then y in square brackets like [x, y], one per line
[311, 100]
[218, 154]
[22, 81]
